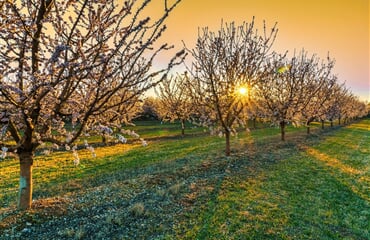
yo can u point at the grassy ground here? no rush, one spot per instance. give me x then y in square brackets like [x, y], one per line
[309, 187]
[318, 190]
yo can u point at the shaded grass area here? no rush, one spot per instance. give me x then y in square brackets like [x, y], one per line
[314, 187]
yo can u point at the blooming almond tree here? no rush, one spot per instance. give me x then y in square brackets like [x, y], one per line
[287, 85]
[224, 63]
[337, 103]
[66, 64]
[175, 101]
[318, 106]
[318, 90]
[352, 108]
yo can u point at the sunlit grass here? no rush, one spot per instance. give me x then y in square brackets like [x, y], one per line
[293, 194]
[333, 162]
[56, 173]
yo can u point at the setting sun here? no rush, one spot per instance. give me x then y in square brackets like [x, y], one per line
[243, 91]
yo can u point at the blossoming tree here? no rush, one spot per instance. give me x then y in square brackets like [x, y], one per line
[318, 86]
[226, 65]
[289, 85]
[337, 103]
[175, 101]
[69, 63]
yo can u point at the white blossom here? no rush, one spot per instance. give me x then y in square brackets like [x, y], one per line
[134, 134]
[4, 151]
[143, 142]
[121, 138]
[76, 160]
[68, 137]
[46, 152]
[92, 150]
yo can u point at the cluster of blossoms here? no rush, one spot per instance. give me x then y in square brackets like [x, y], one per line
[143, 142]
[90, 148]
[130, 133]
[4, 151]
[134, 135]
[121, 138]
[76, 160]
[106, 131]
[46, 152]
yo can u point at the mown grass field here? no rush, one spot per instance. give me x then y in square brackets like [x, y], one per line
[308, 187]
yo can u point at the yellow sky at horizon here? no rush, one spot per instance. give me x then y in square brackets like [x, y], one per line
[340, 27]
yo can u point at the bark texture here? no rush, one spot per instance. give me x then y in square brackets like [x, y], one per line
[25, 180]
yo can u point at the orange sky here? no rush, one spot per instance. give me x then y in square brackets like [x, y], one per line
[340, 27]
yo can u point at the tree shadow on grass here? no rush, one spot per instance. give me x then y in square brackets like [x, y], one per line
[276, 191]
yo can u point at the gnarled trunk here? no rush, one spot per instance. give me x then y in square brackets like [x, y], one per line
[322, 124]
[25, 180]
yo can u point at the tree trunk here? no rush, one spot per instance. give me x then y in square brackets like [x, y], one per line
[282, 129]
[322, 124]
[331, 123]
[308, 129]
[339, 121]
[254, 123]
[227, 147]
[182, 127]
[25, 181]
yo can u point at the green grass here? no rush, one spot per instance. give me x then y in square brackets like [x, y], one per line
[296, 192]
[308, 187]
[50, 172]
[155, 129]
